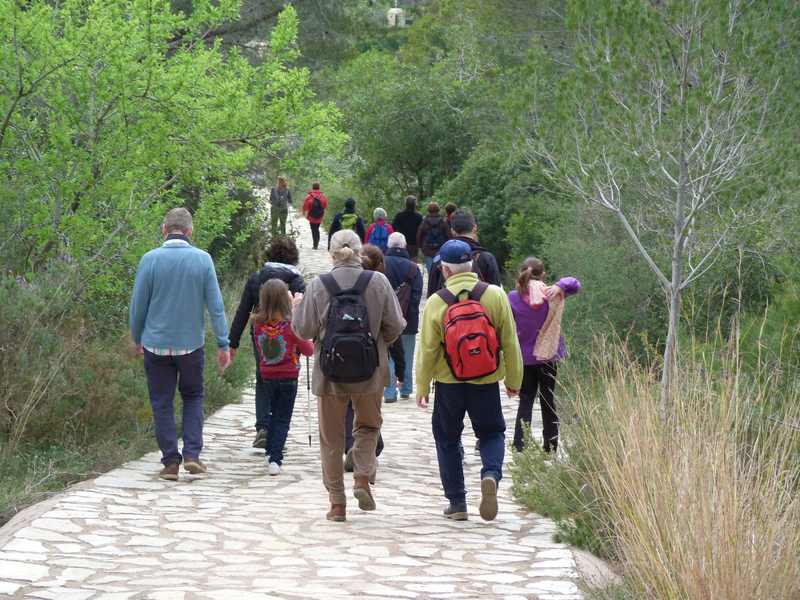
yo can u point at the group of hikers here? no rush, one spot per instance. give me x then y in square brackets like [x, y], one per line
[360, 321]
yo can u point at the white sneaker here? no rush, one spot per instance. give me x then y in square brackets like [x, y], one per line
[274, 468]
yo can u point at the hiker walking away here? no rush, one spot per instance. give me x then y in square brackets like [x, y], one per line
[449, 210]
[406, 278]
[280, 199]
[484, 264]
[379, 231]
[371, 260]
[407, 222]
[282, 259]
[538, 309]
[347, 219]
[278, 350]
[175, 284]
[352, 315]
[314, 207]
[433, 232]
[468, 345]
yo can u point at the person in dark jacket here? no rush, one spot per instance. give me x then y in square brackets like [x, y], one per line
[407, 222]
[433, 232]
[401, 270]
[449, 210]
[280, 199]
[483, 262]
[347, 219]
[283, 257]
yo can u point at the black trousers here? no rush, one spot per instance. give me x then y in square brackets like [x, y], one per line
[315, 234]
[538, 380]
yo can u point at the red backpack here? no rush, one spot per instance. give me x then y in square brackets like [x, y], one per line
[470, 343]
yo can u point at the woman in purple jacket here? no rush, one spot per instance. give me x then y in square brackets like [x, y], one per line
[537, 311]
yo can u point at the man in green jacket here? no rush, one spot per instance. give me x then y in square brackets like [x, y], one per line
[480, 398]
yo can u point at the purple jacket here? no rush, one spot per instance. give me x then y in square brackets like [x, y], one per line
[529, 321]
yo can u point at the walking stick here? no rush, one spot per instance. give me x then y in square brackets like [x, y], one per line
[308, 399]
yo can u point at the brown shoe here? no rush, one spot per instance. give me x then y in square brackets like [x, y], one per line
[194, 466]
[336, 513]
[169, 472]
[362, 493]
[488, 506]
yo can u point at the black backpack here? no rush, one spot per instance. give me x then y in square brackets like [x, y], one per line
[316, 208]
[435, 237]
[349, 352]
[403, 291]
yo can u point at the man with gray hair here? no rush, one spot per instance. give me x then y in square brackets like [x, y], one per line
[467, 346]
[175, 284]
[406, 278]
[339, 310]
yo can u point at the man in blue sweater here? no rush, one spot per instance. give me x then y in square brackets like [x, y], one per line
[174, 285]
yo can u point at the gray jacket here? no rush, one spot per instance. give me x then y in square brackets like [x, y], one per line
[280, 197]
[385, 319]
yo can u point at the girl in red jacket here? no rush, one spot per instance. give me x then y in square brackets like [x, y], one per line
[279, 351]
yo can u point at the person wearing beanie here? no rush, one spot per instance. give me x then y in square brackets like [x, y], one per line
[407, 222]
[310, 320]
[347, 219]
[379, 231]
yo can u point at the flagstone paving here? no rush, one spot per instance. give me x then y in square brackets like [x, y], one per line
[241, 534]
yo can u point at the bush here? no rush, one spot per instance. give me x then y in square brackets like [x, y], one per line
[705, 506]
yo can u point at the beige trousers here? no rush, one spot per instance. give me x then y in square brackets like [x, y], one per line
[366, 428]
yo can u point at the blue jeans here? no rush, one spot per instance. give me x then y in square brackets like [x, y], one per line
[408, 341]
[164, 374]
[280, 394]
[482, 403]
[428, 260]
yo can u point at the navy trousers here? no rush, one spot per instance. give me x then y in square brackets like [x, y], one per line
[482, 404]
[164, 374]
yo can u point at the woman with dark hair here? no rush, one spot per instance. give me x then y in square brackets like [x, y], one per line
[283, 257]
[449, 210]
[538, 309]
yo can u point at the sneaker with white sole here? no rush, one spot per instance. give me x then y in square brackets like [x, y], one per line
[273, 468]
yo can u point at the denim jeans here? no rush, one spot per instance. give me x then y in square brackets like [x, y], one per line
[482, 403]
[408, 341]
[428, 260]
[281, 394]
[164, 374]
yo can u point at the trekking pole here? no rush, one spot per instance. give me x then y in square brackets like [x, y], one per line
[308, 398]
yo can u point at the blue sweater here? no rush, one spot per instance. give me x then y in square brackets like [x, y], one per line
[174, 285]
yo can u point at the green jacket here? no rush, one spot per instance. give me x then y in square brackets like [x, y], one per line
[430, 360]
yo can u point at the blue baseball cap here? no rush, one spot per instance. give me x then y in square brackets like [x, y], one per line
[455, 252]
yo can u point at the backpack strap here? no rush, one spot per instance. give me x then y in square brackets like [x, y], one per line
[330, 284]
[478, 290]
[362, 282]
[449, 297]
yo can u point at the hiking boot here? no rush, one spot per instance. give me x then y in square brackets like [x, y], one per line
[362, 493]
[194, 466]
[336, 513]
[261, 439]
[169, 472]
[274, 468]
[390, 400]
[405, 396]
[456, 511]
[348, 461]
[488, 505]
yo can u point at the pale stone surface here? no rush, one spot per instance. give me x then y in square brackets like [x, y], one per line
[242, 534]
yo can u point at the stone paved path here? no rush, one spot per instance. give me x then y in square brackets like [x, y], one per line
[241, 534]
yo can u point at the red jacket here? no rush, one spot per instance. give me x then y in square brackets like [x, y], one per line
[307, 205]
[279, 350]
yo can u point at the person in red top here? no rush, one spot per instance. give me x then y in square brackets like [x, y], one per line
[279, 352]
[378, 233]
[314, 207]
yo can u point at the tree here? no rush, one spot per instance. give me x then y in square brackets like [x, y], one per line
[104, 123]
[666, 129]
